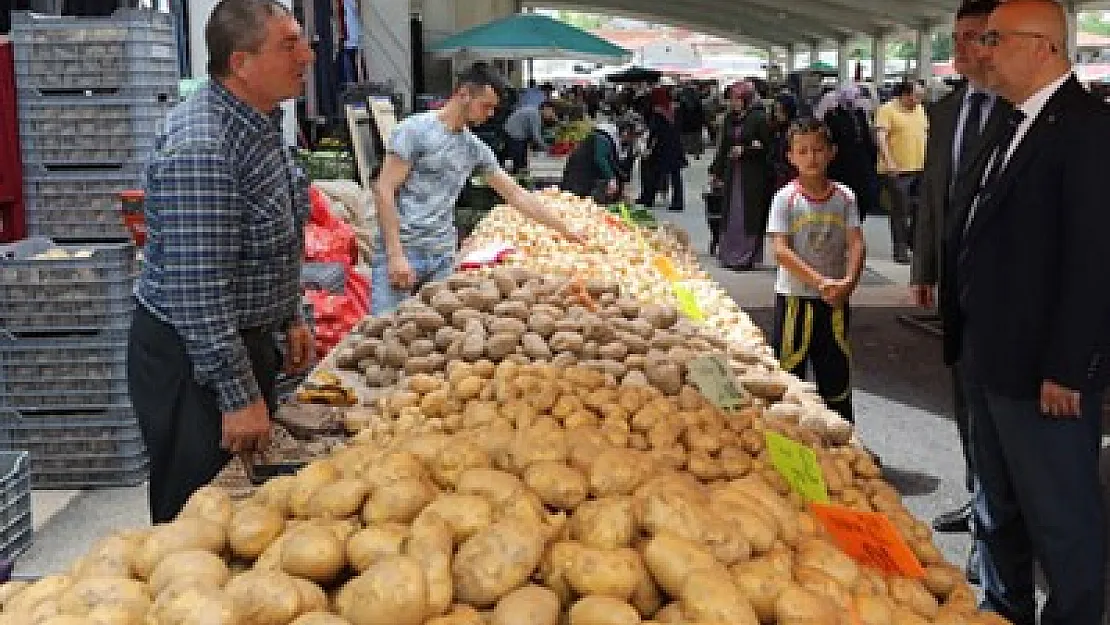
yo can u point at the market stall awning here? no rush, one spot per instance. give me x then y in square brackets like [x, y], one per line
[531, 36]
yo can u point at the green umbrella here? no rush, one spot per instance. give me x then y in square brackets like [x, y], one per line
[822, 67]
[530, 36]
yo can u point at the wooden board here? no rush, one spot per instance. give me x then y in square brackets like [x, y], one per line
[361, 127]
[385, 118]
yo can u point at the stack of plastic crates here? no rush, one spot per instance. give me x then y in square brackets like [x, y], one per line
[65, 311]
[93, 94]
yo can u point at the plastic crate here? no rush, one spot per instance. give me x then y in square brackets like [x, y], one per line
[77, 224]
[88, 122]
[42, 294]
[71, 371]
[130, 49]
[109, 432]
[90, 472]
[107, 154]
[15, 503]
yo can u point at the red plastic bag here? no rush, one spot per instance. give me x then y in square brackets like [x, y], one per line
[327, 239]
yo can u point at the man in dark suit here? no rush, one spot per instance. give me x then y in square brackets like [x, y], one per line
[1026, 283]
[956, 125]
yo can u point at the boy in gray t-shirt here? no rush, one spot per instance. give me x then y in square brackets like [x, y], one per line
[430, 156]
[819, 247]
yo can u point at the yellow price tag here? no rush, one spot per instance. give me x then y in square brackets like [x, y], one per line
[688, 303]
[798, 464]
[666, 268]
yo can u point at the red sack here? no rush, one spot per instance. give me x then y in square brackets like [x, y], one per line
[327, 239]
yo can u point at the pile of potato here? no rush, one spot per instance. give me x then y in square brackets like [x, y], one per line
[616, 253]
[517, 316]
[537, 522]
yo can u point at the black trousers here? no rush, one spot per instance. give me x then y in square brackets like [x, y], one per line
[963, 426]
[516, 150]
[810, 332]
[1038, 499]
[180, 420]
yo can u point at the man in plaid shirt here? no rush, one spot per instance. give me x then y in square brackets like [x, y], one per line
[225, 209]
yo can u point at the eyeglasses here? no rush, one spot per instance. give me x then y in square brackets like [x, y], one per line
[968, 36]
[992, 38]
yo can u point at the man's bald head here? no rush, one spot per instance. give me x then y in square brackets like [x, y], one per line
[1027, 43]
[1043, 17]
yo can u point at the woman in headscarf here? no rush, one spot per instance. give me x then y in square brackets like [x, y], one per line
[857, 154]
[599, 166]
[665, 157]
[784, 114]
[742, 168]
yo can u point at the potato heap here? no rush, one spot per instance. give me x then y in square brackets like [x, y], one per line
[614, 254]
[508, 524]
[514, 315]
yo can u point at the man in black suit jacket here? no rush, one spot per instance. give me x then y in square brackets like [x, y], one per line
[1026, 281]
[957, 123]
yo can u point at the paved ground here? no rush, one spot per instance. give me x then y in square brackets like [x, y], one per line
[901, 403]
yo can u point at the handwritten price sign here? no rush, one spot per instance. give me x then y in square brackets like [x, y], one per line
[870, 538]
[798, 464]
[714, 379]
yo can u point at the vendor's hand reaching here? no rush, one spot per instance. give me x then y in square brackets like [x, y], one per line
[401, 275]
[613, 188]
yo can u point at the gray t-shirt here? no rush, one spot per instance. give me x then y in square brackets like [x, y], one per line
[441, 162]
[818, 229]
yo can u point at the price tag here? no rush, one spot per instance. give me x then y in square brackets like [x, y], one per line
[870, 538]
[798, 464]
[715, 381]
[688, 303]
[666, 268]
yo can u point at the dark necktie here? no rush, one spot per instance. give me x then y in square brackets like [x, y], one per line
[995, 167]
[973, 128]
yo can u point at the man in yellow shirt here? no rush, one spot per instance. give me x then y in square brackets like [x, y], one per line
[901, 126]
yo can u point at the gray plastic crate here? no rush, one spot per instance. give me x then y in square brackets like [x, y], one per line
[105, 55]
[83, 123]
[15, 503]
[97, 189]
[76, 224]
[90, 472]
[70, 293]
[72, 371]
[92, 154]
[110, 432]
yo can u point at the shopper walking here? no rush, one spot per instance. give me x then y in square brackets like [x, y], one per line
[225, 209]
[692, 119]
[665, 158]
[957, 125]
[523, 130]
[901, 127]
[820, 250]
[742, 168]
[430, 158]
[856, 150]
[1027, 293]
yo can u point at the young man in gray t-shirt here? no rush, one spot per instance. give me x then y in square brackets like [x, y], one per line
[819, 247]
[430, 157]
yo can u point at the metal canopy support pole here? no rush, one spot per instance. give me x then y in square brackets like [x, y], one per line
[814, 52]
[878, 58]
[1073, 30]
[925, 52]
[791, 58]
[843, 63]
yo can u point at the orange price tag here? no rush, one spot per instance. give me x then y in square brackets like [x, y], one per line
[869, 538]
[666, 268]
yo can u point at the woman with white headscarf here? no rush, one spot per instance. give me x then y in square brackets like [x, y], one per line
[856, 151]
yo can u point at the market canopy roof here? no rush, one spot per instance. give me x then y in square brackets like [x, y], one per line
[781, 23]
[529, 35]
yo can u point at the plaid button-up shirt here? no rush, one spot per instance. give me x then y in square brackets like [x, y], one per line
[225, 211]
